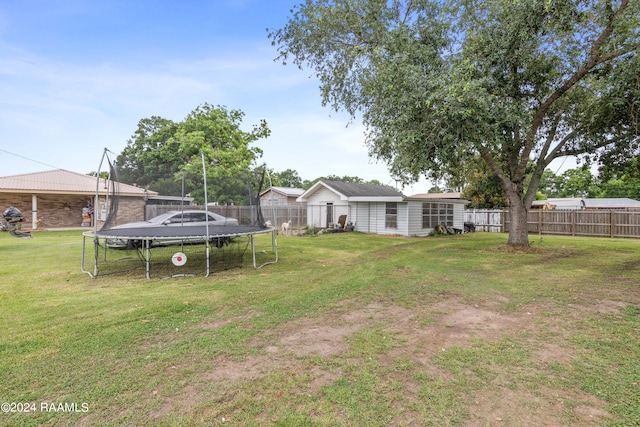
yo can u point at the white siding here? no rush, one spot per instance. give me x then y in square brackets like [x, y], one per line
[324, 196]
[374, 217]
[360, 216]
[317, 207]
[458, 216]
[364, 217]
[315, 215]
[369, 217]
[415, 215]
[403, 218]
[415, 220]
[378, 224]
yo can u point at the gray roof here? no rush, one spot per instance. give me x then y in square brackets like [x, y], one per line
[351, 189]
[451, 195]
[353, 192]
[612, 203]
[287, 191]
[60, 181]
[595, 203]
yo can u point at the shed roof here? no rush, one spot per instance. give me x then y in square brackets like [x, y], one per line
[355, 192]
[60, 181]
[286, 191]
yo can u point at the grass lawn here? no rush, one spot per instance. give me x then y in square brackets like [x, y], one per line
[345, 330]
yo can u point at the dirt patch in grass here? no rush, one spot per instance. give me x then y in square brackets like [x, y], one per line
[531, 392]
[545, 254]
[501, 406]
[630, 265]
[223, 322]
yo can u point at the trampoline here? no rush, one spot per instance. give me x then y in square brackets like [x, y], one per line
[146, 239]
[118, 245]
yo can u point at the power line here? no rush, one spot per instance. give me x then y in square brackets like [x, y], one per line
[31, 160]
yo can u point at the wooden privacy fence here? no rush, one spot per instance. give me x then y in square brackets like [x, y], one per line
[597, 223]
[568, 222]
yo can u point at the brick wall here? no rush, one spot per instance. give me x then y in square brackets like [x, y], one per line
[62, 210]
[130, 209]
[20, 201]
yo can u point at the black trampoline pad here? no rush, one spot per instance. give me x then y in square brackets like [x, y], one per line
[185, 231]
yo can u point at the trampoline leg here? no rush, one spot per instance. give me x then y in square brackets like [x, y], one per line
[274, 249]
[253, 250]
[147, 259]
[207, 252]
[96, 248]
[274, 243]
[93, 276]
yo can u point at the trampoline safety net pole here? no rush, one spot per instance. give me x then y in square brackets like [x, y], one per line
[206, 208]
[96, 206]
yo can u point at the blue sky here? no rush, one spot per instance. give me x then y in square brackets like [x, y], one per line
[76, 76]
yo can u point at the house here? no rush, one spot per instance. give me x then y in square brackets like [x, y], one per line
[280, 196]
[619, 203]
[379, 209]
[169, 201]
[56, 198]
[559, 203]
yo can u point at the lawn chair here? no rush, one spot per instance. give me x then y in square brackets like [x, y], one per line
[342, 220]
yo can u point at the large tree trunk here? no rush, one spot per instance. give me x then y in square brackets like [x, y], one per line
[518, 213]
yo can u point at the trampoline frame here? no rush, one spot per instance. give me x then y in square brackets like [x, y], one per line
[192, 234]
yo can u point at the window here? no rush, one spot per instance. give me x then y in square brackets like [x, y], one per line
[391, 215]
[434, 214]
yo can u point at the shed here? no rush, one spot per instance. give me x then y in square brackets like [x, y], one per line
[280, 196]
[56, 198]
[378, 209]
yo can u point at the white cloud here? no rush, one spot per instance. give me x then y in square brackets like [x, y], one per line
[65, 113]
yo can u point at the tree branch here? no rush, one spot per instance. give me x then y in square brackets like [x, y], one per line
[495, 168]
[592, 61]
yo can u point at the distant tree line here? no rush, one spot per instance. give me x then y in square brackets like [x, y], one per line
[291, 178]
[166, 157]
[613, 180]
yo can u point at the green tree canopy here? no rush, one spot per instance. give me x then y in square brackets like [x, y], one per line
[162, 154]
[288, 178]
[625, 187]
[515, 82]
[483, 188]
[354, 179]
[578, 182]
